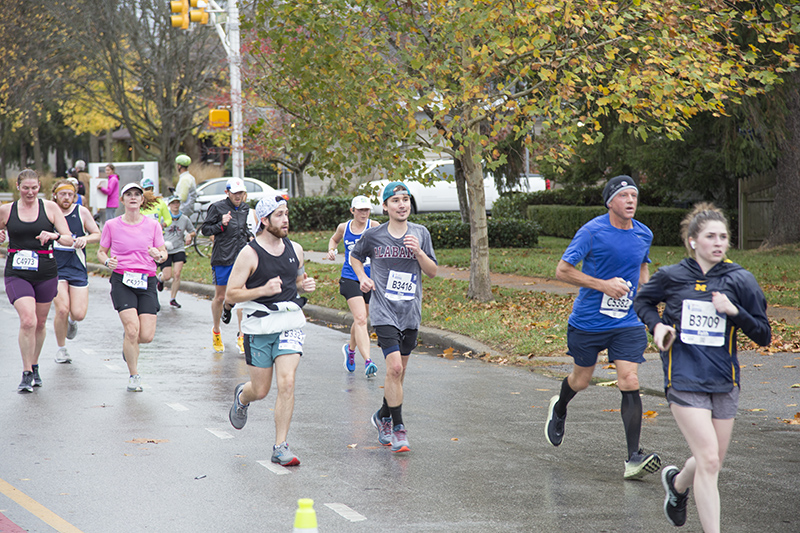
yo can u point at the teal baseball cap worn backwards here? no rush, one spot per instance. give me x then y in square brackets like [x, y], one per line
[395, 187]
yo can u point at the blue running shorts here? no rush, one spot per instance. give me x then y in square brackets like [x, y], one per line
[626, 344]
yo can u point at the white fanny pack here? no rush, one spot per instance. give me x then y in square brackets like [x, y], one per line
[258, 319]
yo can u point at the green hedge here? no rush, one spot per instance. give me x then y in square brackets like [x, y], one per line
[515, 204]
[503, 233]
[564, 221]
[318, 213]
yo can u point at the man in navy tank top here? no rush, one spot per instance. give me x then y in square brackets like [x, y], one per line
[265, 282]
[72, 300]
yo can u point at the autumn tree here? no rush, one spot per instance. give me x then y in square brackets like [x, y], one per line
[376, 77]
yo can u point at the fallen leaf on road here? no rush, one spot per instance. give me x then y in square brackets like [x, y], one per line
[147, 441]
[608, 384]
[611, 410]
[454, 439]
[795, 386]
[610, 366]
[649, 414]
[793, 421]
[513, 393]
[352, 445]
[448, 353]
[757, 365]
[790, 366]
[756, 410]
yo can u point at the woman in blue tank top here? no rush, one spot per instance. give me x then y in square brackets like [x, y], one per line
[349, 287]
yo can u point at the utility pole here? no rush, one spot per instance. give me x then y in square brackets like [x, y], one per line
[231, 44]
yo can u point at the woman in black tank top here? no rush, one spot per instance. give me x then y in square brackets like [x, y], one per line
[31, 274]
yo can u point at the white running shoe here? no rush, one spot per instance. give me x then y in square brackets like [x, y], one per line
[62, 356]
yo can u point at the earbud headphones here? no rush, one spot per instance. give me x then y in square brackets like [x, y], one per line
[692, 244]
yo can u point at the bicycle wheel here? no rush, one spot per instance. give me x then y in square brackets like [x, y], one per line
[202, 245]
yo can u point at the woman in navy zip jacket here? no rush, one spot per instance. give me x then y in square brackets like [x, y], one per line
[707, 299]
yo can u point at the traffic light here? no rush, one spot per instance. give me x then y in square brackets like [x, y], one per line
[199, 15]
[219, 118]
[181, 19]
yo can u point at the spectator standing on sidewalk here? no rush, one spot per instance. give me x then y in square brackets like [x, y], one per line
[72, 300]
[177, 236]
[130, 246]
[349, 287]
[399, 253]
[708, 299]
[186, 188]
[614, 249]
[267, 276]
[226, 222]
[111, 190]
[31, 273]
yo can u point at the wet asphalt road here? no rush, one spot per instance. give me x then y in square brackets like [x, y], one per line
[95, 458]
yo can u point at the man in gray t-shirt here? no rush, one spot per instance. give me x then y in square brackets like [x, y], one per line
[400, 252]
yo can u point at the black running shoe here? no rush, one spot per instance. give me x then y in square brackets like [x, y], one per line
[26, 385]
[226, 315]
[674, 503]
[554, 428]
[37, 380]
[174, 303]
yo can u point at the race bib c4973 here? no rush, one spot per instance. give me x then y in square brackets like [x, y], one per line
[25, 260]
[701, 324]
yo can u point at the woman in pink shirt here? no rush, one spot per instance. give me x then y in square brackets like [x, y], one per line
[112, 191]
[130, 246]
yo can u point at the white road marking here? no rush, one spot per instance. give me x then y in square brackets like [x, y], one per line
[345, 512]
[115, 368]
[274, 468]
[178, 407]
[88, 351]
[220, 433]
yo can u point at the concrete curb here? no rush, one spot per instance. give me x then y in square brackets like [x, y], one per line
[427, 335]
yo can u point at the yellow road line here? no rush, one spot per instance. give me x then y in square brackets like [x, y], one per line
[37, 509]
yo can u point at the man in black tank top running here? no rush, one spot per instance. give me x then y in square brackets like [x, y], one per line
[265, 281]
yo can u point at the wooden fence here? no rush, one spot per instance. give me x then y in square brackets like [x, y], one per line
[756, 198]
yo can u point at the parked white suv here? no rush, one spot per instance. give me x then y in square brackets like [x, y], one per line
[442, 195]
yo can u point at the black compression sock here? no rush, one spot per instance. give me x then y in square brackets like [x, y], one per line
[384, 412]
[631, 411]
[397, 415]
[564, 398]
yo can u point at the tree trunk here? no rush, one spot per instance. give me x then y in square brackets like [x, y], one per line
[480, 285]
[461, 190]
[299, 176]
[109, 151]
[785, 215]
[37, 151]
[94, 148]
[23, 153]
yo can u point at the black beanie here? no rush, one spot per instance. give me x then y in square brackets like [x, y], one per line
[616, 185]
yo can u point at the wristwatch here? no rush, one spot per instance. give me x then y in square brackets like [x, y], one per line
[106, 263]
